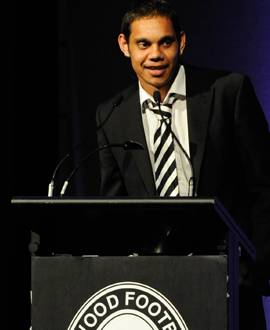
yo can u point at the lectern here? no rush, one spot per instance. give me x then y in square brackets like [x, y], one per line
[168, 231]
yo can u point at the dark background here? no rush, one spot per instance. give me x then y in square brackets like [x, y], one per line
[62, 59]
[66, 60]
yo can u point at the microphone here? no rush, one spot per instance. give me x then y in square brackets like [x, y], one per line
[127, 145]
[191, 192]
[117, 101]
[157, 98]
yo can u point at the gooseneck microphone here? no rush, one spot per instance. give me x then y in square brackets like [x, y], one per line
[191, 183]
[117, 101]
[127, 145]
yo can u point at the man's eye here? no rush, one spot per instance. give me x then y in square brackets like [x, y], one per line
[143, 45]
[167, 43]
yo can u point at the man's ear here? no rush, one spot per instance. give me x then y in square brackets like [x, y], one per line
[123, 44]
[182, 42]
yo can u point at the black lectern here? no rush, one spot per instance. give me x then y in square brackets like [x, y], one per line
[147, 227]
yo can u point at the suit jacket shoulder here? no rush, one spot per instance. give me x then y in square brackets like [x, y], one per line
[200, 80]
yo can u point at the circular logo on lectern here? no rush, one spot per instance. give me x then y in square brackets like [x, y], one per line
[128, 306]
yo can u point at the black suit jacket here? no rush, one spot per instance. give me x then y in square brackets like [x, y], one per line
[229, 148]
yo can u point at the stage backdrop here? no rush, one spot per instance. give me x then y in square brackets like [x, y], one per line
[67, 61]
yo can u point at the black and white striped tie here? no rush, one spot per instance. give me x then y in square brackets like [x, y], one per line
[165, 164]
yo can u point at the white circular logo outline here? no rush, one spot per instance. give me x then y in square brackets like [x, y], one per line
[128, 285]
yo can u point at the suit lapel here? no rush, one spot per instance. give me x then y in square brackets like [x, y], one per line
[133, 130]
[199, 100]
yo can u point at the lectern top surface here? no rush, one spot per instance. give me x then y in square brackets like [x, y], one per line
[120, 200]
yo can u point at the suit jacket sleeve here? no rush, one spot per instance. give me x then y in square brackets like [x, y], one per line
[254, 137]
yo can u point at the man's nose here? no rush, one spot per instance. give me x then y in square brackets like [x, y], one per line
[156, 53]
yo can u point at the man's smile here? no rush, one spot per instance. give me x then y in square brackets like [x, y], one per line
[156, 70]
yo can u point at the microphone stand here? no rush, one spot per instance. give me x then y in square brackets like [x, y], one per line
[117, 101]
[127, 145]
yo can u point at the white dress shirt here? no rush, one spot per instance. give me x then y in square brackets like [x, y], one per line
[179, 127]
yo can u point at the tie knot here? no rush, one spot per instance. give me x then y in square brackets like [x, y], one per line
[165, 109]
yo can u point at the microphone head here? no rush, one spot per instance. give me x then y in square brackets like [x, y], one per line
[157, 97]
[132, 145]
[118, 100]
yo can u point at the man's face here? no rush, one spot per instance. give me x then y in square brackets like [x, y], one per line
[154, 51]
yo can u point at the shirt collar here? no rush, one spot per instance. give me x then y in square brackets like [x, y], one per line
[178, 87]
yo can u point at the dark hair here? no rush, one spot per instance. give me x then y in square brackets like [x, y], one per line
[147, 9]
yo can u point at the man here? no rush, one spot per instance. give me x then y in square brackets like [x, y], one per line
[219, 132]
